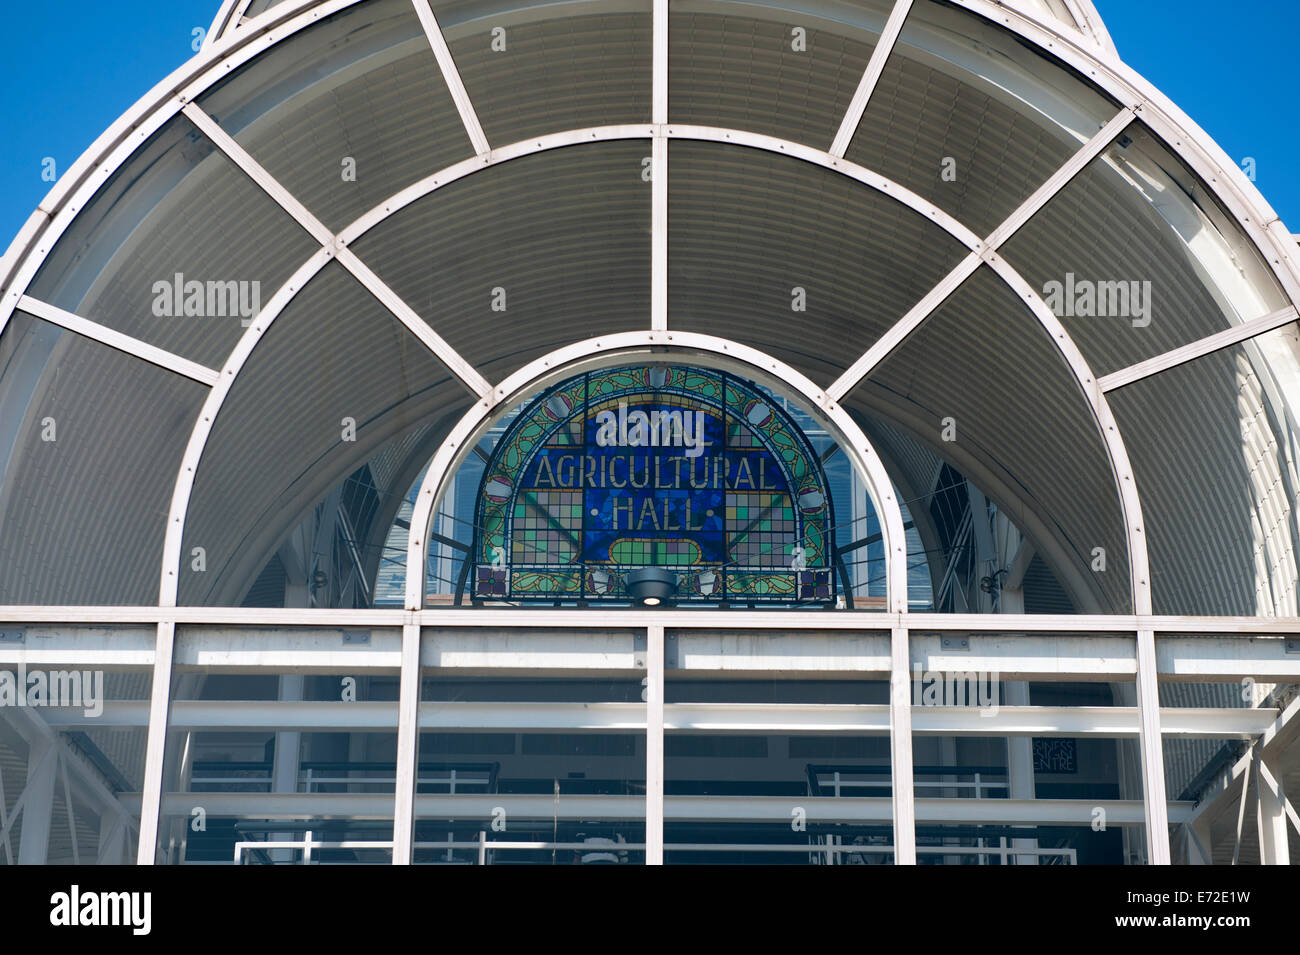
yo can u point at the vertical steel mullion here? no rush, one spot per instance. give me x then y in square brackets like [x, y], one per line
[1153, 758]
[408, 737]
[654, 747]
[900, 749]
[160, 695]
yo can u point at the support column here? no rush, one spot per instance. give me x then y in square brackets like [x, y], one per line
[112, 839]
[159, 708]
[284, 768]
[1020, 749]
[1020, 765]
[900, 749]
[1198, 838]
[1153, 758]
[1270, 817]
[654, 746]
[408, 744]
[38, 803]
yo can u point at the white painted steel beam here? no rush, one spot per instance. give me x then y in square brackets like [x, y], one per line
[116, 340]
[1271, 807]
[37, 800]
[869, 719]
[654, 746]
[792, 652]
[1198, 349]
[1151, 744]
[36, 727]
[870, 77]
[900, 330]
[408, 745]
[757, 809]
[659, 62]
[542, 618]
[900, 749]
[1060, 179]
[438, 43]
[659, 233]
[256, 172]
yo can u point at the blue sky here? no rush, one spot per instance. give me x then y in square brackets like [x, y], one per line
[1235, 78]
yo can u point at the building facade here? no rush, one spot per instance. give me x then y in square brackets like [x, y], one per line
[623, 431]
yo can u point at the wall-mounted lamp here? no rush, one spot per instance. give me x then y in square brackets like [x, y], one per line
[651, 586]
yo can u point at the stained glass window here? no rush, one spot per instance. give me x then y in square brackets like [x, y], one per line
[654, 466]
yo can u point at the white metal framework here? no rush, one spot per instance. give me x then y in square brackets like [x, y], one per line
[1148, 646]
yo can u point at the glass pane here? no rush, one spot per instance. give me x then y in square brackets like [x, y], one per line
[548, 68]
[263, 474]
[95, 441]
[783, 73]
[762, 244]
[179, 248]
[72, 742]
[972, 117]
[346, 112]
[514, 261]
[531, 771]
[1136, 257]
[258, 757]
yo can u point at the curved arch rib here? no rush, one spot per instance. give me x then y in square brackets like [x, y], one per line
[45, 226]
[490, 398]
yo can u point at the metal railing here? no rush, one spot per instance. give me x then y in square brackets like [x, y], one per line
[608, 850]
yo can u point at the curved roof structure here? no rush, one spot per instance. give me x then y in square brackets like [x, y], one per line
[324, 154]
[354, 233]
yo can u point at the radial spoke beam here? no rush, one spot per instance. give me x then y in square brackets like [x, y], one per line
[376, 286]
[452, 76]
[904, 327]
[421, 329]
[923, 309]
[870, 77]
[1198, 349]
[255, 171]
[1060, 179]
[115, 339]
[659, 171]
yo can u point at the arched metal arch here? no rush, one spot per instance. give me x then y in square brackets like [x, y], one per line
[235, 47]
[1111, 437]
[293, 15]
[611, 349]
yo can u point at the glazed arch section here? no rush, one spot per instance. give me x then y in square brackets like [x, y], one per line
[666, 466]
